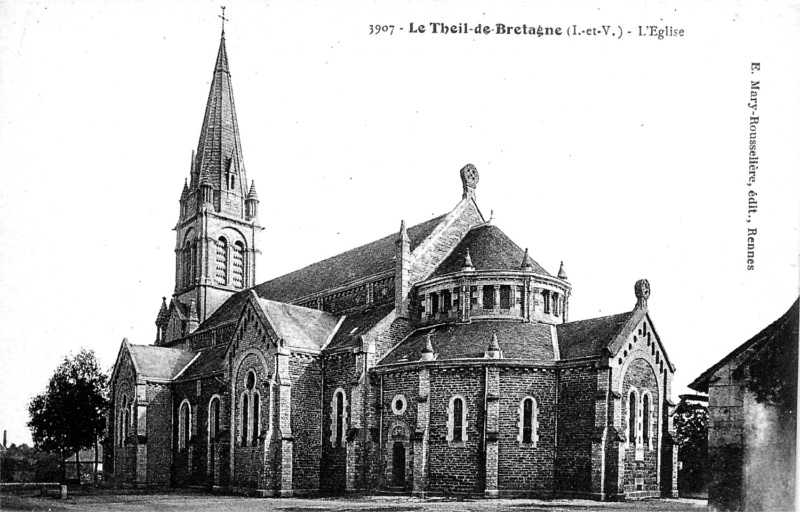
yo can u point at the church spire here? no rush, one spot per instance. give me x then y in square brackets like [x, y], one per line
[219, 150]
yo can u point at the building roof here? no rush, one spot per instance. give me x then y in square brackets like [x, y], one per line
[209, 362]
[585, 338]
[365, 261]
[300, 327]
[161, 363]
[219, 148]
[489, 249]
[355, 325]
[517, 340]
[780, 329]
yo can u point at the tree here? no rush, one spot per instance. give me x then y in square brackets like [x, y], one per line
[69, 415]
[691, 432]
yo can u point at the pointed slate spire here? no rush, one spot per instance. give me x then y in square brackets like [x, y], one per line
[427, 352]
[493, 350]
[526, 261]
[185, 192]
[162, 312]
[562, 274]
[402, 236]
[161, 321]
[252, 194]
[219, 151]
[467, 262]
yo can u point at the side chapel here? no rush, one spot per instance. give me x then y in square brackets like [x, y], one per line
[439, 359]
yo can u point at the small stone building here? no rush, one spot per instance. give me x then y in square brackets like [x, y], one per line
[752, 406]
[438, 359]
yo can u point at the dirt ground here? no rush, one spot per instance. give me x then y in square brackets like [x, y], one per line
[175, 502]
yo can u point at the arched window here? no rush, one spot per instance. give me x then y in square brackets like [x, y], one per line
[646, 419]
[237, 267]
[245, 417]
[256, 417]
[546, 297]
[528, 421]
[457, 420]
[221, 274]
[338, 417]
[184, 425]
[213, 418]
[632, 418]
[123, 420]
[556, 305]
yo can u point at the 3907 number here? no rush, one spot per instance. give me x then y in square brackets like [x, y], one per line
[378, 29]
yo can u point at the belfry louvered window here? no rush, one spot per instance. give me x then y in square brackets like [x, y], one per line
[221, 274]
[237, 265]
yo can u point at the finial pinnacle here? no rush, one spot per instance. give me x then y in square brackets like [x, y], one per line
[224, 19]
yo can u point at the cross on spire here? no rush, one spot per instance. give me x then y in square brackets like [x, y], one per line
[222, 16]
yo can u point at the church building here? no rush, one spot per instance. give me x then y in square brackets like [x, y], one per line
[439, 359]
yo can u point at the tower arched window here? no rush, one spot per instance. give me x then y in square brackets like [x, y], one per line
[221, 274]
[237, 267]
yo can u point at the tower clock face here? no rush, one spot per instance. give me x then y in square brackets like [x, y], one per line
[469, 174]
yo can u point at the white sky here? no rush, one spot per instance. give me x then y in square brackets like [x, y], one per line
[625, 158]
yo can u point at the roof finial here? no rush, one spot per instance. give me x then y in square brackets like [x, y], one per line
[427, 351]
[493, 350]
[526, 261]
[224, 19]
[562, 274]
[642, 291]
[467, 262]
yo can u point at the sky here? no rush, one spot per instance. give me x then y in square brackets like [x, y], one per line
[624, 157]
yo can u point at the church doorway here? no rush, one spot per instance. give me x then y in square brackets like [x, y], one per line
[398, 464]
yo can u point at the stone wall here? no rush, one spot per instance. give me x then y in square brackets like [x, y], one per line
[526, 468]
[456, 468]
[576, 398]
[339, 372]
[306, 371]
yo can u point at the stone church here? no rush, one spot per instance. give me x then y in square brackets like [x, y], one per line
[439, 359]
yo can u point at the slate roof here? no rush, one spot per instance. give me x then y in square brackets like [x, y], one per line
[219, 147]
[300, 327]
[489, 249]
[160, 362]
[517, 340]
[358, 263]
[585, 338]
[357, 324]
[785, 327]
[210, 361]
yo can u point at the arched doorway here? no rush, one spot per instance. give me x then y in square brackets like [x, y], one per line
[398, 464]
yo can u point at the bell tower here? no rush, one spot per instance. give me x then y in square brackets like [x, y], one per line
[217, 229]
